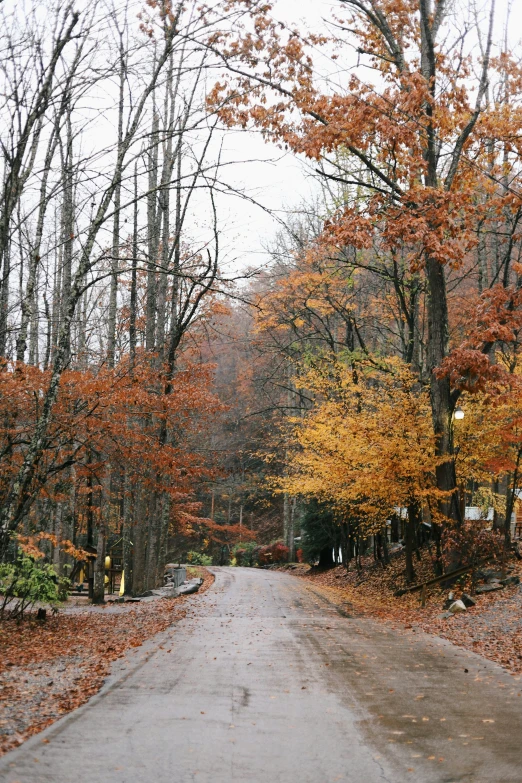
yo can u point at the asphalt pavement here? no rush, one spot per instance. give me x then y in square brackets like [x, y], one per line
[265, 681]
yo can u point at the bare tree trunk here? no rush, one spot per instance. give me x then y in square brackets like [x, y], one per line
[152, 238]
[133, 291]
[115, 266]
[164, 535]
[103, 530]
[99, 566]
[34, 354]
[442, 401]
[291, 531]
[138, 538]
[57, 290]
[58, 532]
[154, 519]
[286, 517]
[511, 488]
[128, 533]
[48, 334]
[163, 211]
[28, 301]
[412, 520]
[22, 158]
[67, 225]
[4, 295]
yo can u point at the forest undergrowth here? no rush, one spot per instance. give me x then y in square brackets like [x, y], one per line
[492, 628]
[49, 669]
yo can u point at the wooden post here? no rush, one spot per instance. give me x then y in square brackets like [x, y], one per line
[423, 596]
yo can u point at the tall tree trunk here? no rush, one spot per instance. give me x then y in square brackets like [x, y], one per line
[4, 297]
[103, 531]
[115, 265]
[164, 211]
[152, 237]
[286, 517]
[153, 534]
[67, 226]
[28, 302]
[58, 532]
[127, 533]
[34, 353]
[139, 541]
[56, 300]
[442, 402]
[409, 539]
[99, 566]
[164, 535]
[133, 290]
[511, 498]
[291, 531]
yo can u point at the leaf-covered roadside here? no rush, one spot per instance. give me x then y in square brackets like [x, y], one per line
[492, 628]
[47, 670]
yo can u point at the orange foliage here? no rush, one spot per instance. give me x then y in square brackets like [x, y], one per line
[105, 419]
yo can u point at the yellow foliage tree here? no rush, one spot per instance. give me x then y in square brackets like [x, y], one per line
[366, 446]
[489, 449]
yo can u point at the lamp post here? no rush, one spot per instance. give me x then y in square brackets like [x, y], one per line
[458, 415]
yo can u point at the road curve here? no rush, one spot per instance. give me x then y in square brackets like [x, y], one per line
[266, 681]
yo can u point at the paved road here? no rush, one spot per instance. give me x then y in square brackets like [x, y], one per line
[265, 681]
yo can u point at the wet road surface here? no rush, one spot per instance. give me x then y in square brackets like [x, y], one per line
[266, 681]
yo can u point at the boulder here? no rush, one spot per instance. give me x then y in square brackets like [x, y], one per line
[489, 574]
[468, 601]
[186, 589]
[445, 615]
[449, 600]
[456, 607]
[169, 591]
[490, 588]
[510, 580]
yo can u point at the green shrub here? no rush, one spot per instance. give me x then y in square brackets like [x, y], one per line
[197, 558]
[28, 581]
[246, 554]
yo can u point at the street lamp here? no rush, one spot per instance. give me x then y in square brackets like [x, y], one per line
[459, 415]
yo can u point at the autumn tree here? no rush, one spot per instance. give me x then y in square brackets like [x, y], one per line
[109, 276]
[412, 135]
[366, 447]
